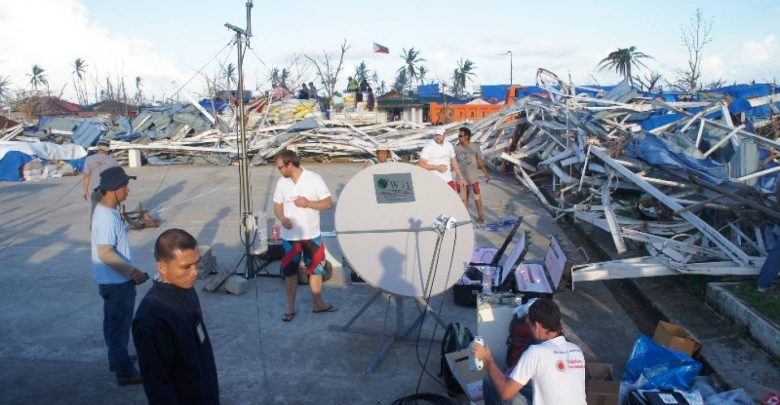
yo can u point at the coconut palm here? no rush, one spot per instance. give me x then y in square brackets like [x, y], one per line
[138, 93]
[79, 66]
[462, 74]
[421, 72]
[5, 87]
[230, 75]
[361, 72]
[624, 60]
[401, 81]
[411, 65]
[38, 77]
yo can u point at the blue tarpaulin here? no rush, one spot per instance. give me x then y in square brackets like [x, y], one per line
[656, 151]
[429, 90]
[495, 94]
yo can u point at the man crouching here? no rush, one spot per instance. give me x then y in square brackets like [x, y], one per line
[174, 349]
[554, 366]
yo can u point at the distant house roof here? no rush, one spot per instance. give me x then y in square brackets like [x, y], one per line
[56, 106]
[7, 123]
[112, 107]
[397, 100]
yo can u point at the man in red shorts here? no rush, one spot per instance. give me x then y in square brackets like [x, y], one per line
[438, 156]
[299, 197]
[469, 157]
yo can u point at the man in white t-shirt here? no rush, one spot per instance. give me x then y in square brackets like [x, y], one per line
[299, 197]
[554, 366]
[438, 156]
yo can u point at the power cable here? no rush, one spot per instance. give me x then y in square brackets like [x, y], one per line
[427, 294]
[229, 44]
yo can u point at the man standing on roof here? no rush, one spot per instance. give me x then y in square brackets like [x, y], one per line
[93, 166]
[299, 197]
[438, 156]
[312, 91]
[554, 366]
[469, 157]
[114, 272]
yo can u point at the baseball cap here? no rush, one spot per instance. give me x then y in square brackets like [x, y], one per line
[382, 146]
[113, 178]
[102, 144]
[438, 131]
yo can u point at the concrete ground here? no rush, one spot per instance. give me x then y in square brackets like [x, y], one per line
[51, 344]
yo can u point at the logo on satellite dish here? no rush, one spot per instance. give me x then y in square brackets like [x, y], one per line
[393, 188]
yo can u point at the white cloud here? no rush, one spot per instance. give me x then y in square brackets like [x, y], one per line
[53, 33]
[759, 52]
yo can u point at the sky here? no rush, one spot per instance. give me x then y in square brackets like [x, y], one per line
[173, 45]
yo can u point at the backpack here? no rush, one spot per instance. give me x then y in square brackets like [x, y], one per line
[520, 337]
[456, 338]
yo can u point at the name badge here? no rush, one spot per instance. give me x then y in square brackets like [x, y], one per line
[201, 334]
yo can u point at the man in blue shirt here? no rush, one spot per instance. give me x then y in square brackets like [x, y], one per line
[114, 272]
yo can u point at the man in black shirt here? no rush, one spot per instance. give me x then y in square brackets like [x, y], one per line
[174, 349]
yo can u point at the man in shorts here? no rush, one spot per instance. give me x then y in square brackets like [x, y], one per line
[299, 197]
[470, 160]
[438, 156]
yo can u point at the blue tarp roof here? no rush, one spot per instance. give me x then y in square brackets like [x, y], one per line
[429, 90]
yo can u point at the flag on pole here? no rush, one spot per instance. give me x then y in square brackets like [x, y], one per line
[380, 49]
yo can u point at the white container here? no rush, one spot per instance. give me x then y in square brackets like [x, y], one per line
[134, 158]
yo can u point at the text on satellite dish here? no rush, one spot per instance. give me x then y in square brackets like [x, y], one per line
[391, 188]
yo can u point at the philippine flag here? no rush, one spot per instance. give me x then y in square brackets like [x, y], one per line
[380, 49]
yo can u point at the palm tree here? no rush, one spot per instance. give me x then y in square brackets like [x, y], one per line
[421, 71]
[138, 93]
[411, 68]
[79, 65]
[38, 77]
[230, 75]
[462, 74]
[375, 79]
[401, 81]
[623, 61]
[5, 87]
[361, 72]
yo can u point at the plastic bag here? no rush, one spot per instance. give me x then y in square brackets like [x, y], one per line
[659, 367]
[733, 397]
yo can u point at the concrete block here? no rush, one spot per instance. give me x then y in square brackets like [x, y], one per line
[208, 262]
[236, 285]
[215, 281]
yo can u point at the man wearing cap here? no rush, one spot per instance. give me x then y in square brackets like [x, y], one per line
[382, 156]
[114, 272]
[93, 166]
[438, 156]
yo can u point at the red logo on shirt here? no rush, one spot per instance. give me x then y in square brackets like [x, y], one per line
[560, 366]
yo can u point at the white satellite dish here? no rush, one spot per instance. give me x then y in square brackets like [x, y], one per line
[383, 224]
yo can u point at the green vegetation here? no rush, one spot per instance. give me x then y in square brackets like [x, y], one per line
[767, 304]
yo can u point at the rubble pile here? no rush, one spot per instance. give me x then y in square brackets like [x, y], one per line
[689, 181]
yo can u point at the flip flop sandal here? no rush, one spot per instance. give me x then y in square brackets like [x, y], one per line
[288, 316]
[330, 308]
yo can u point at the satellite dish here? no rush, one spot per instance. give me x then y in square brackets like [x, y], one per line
[383, 224]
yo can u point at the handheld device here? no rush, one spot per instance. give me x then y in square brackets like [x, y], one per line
[475, 363]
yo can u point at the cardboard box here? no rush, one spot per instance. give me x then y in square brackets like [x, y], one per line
[675, 337]
[600, 385]
[470, 381]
